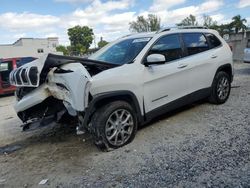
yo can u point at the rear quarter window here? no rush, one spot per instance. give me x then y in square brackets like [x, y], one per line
[213, 40]
[195, 43]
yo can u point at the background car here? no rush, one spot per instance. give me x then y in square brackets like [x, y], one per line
[247, 52]
[6, 66]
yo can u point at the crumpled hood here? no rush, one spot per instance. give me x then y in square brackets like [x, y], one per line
[34, 73]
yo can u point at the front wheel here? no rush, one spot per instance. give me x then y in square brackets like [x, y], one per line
[115, 125]
[221, 88]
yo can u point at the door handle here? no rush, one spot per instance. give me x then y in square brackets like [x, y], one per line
[214, 56]
[182, 66]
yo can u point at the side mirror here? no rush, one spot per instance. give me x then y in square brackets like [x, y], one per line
[155, 59]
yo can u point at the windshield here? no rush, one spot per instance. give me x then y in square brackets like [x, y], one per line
[122, 52]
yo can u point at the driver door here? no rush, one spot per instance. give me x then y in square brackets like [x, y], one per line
[167, 82]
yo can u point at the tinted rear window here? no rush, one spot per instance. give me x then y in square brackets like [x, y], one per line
[213, 40]
[195, 43]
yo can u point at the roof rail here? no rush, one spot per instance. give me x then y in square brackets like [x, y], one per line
[192, 27]
[165, 29]
[181, 27]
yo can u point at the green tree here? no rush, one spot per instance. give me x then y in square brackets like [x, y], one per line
[102, 43]
[188, 21]
[154, 22]
[151, 23]
[223, 29]
[209, 22]
[238, 23]
[80, 39]
[62, 49]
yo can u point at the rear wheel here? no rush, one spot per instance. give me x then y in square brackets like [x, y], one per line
[221, 88]
[115, 125]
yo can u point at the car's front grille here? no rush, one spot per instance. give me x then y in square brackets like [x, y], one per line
[25, 77]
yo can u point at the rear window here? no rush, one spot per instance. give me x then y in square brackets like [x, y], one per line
[213, 40]
[195, 43]
[5, 66]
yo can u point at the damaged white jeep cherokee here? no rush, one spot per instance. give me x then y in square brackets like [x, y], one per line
[128, 82]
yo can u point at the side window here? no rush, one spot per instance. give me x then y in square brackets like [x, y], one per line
[213, 40]
[195, 43]
[169, 46]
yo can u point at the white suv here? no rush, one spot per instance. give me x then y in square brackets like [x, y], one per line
[128, 82]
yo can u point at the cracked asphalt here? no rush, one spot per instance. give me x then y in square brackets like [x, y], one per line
[200, 145]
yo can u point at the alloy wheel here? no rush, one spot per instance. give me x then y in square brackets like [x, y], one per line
[223, 88]
[119, 127]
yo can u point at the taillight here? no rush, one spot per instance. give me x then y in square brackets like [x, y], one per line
[14, 66]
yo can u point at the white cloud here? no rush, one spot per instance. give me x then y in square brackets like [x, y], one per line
[98, 8]
[19, 35]
[210, 5]
[171, 17]
[48, 35]
[118, 19]
[218, 18]
[100, 14]
[244, 3]
[26, 21]
[159, 5]
[109, 19]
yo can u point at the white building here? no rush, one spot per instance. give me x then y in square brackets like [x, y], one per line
[29, 47]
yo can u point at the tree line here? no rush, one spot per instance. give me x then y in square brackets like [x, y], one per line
[81, 37]
[153, 23]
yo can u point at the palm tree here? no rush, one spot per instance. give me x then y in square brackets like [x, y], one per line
[238, 23]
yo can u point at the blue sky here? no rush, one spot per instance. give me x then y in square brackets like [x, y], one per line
[108, 18]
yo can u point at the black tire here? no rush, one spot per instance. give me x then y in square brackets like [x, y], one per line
[218, 96]
[103, 120]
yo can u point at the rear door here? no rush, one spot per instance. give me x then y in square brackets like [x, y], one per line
[202, 57]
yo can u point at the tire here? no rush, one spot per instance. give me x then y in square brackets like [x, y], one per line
[115, 125]
[221, 88]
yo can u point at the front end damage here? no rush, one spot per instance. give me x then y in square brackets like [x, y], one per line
[52, 84]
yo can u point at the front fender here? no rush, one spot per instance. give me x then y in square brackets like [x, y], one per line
[70, 86]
